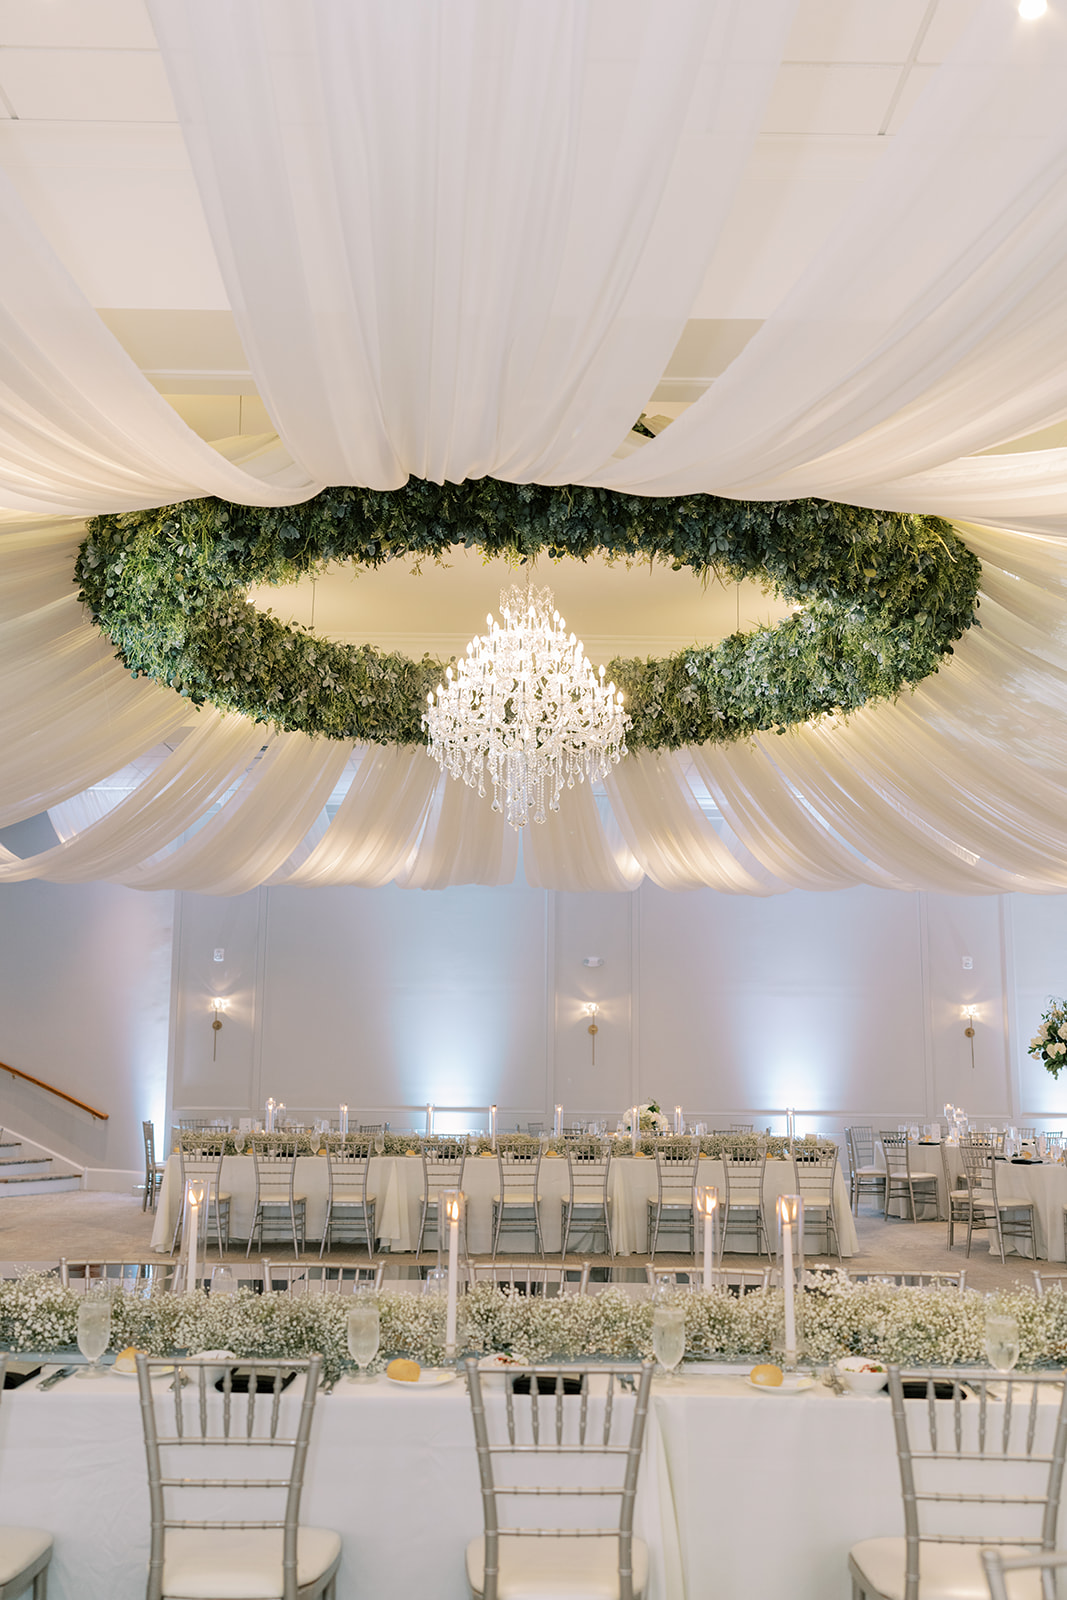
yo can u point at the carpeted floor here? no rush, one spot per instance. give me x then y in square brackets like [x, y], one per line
[89, 1226]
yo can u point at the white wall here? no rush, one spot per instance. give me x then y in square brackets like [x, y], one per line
[845, 1005]
[85, 979]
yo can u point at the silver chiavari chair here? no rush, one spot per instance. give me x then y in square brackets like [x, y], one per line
[318, 1278]
[200, 1163]
[153, 1169]
[902, 1182]
[1009, 1216]
[517, 1202]
[24, 1552]
[587, 1206]
[525, 1425]
[981, 1463]
[278, 1208]
[1046, 1281]
[545, 1278]
[677, 1164]
[865, 1176]
[814, 1174]
[189, 1431]
[443, 1161]
[741, 1205]
[351, 1206]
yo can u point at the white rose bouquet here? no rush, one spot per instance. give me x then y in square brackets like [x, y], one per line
[650, 1119]
[1049, 1043]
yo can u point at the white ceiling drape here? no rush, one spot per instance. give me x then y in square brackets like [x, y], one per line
[465, 240]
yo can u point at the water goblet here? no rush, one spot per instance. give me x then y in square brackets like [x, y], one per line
[94, 1330]
[223, 1281]
[379, 1144]
[364, 1332]
[668, 1337]
[1001, 1341]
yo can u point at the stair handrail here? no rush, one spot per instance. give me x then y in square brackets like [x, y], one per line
[17, 1072]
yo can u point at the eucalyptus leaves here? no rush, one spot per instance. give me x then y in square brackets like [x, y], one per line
[880, 599]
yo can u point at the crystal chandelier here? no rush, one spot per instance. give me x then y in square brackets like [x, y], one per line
[526, 704]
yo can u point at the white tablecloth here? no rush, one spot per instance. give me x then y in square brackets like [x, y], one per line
[397, 1183]
[762, 1494]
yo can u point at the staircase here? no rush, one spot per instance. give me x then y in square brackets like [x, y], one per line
[27, 1168]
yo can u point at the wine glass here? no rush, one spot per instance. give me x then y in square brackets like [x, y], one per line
[1001, 1341]
[668, 1336]
[94, 1330]
[364, 1332]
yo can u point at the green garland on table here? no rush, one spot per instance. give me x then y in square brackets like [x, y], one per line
[915, 1327]
[881, 598]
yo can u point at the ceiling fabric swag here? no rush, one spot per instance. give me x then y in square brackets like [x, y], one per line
[504, 309]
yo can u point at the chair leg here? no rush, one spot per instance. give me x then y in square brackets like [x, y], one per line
[40, 1585]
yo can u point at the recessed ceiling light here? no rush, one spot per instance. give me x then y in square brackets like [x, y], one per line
[1032, 8]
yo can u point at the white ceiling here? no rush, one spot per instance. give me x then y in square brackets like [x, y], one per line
[89, 133]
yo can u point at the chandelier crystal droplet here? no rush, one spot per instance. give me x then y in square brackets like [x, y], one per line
[526, 704]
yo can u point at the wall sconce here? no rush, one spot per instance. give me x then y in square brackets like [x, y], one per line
[969, 1015]
[218, 1006]
[591, 1011]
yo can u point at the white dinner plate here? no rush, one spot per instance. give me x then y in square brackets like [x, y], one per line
[501, 1363]
[788, 1385]
[429, 1378]
[131, 1372]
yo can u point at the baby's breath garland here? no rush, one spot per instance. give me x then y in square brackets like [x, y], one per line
[881, 598]
[914, 1327]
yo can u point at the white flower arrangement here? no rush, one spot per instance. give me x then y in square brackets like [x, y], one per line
[1049, 1043]
[650, 1119]
[937, 1327]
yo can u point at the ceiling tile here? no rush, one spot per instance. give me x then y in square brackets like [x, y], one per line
[100, 24]
[854, 30]
[949, 21]
[839, 100]
[914, 84]
[87, 85]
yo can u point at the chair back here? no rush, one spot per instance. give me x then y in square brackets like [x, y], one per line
[519, 1168]
[149, 1134]
[814, 1171]
[978, 1166]
[743, 1173]
[860, 1139]
[187, 1430]
[735, 1280]
[443, 1162]
[547, 1279]
[588, 1163]
[132, 1277]
[677, 1162]
[315, 1278]
[274, 1162]
[348, 1166]
[1044, 1281]
[534, 1418]
[983, 1465]
[911, 1280]
[897, 1158]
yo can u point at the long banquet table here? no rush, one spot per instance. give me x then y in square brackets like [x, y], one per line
[742, 1492]
[396, 1182]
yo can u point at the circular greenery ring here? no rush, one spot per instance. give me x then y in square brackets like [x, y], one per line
[881, 597]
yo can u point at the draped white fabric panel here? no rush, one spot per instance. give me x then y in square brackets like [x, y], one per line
[919, 332]
[487, 224]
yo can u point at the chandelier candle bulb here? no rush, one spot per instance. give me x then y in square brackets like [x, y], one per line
[453, 1204]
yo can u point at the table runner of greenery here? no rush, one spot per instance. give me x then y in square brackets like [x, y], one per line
[232, 1142]
[912, 1326]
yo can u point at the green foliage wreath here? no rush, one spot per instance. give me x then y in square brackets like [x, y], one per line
[882, 597]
